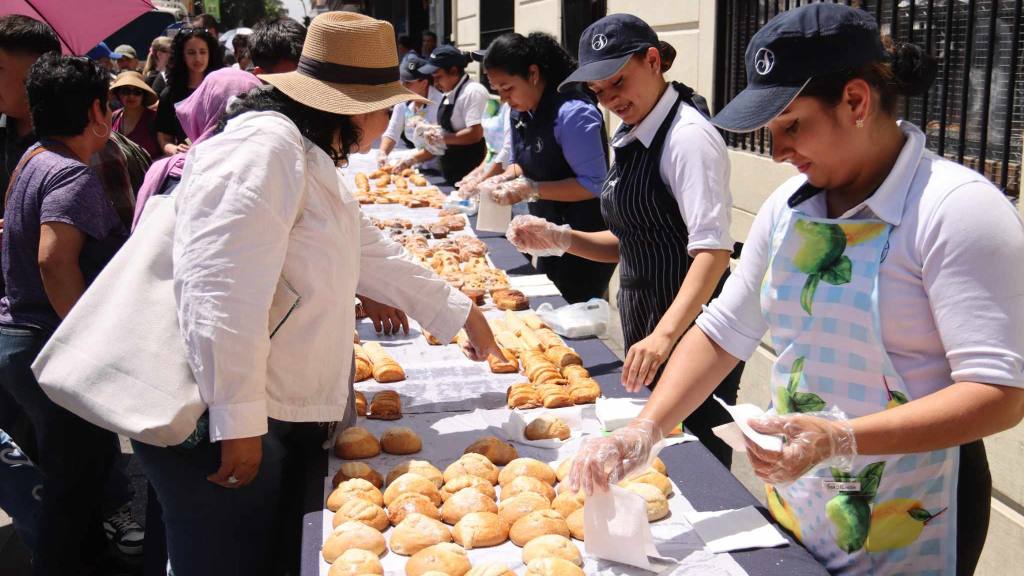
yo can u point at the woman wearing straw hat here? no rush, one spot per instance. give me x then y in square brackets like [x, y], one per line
[266, 230]
[884, 275]
[137, 118]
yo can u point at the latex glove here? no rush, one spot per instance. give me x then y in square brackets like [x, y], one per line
[512, 192]
[239, 462]
[811, 440]
[643, 360]
[605, 460]
[539, 237]
[480, 342]
[382, 159]
[386, 319]
[467, 187]
[407, 162]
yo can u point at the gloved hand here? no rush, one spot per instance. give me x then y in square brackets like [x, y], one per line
[539, 237]
[382, 159]
[466, 188]
[514, 191]
[811, 439]
[605, 460]
[489, 185]
[407, 162]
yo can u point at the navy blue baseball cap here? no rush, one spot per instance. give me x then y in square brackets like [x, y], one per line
[444, 57]
[606, 46]
[102, 51]
[791, 49]
[411, 68]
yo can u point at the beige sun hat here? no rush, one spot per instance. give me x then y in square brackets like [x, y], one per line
[349, 65]
[135, 80]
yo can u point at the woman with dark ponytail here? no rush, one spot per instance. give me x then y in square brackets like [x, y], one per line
[886, 276]
[559, 156]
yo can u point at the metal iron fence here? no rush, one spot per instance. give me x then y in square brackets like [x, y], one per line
[973, 114]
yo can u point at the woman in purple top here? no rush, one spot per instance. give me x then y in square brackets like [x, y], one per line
[60, 230]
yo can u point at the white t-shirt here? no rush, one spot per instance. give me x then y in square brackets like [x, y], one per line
[400, 113]
[950, 291]
[695, 167]
[469, 108]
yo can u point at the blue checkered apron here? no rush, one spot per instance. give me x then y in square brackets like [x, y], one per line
[893, 514]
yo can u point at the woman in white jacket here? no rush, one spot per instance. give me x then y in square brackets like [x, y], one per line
[269, 251]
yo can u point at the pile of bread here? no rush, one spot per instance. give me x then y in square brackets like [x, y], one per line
[407, 188]
[386, 405]
[485, 498]
[373, 361]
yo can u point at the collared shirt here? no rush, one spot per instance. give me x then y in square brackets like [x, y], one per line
[695, 166]
[267, 235]
[950, 292]
[470, 107]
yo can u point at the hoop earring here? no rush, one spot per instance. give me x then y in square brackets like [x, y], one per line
[860, 123]
[105, 135]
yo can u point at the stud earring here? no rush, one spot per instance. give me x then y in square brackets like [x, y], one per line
[860, 123]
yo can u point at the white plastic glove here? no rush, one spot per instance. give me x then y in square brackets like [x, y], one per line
[539, 237]
[514, 191]
[382, 159]
[407, 162]
[811, 439]
[605, 460]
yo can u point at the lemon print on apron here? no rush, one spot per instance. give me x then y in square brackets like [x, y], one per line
[897, 523]
[782, 512]
[821, 255]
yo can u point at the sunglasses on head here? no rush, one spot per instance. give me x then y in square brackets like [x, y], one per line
[192, 30]
[132, 91]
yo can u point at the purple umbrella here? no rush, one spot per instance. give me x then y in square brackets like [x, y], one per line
[80, 24]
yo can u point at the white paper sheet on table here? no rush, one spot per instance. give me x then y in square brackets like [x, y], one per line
[614, 413]
[534, 285]
[515, 426]
[731, 530]
[617, 529]
[491, 216]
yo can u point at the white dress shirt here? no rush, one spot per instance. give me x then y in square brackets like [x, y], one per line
[950, 291]
[268, 237]
[694, 166]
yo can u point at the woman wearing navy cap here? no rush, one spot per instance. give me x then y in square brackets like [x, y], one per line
[558, 151]
[461, 112]
[400, 127]
[887, 278]
[666, 203]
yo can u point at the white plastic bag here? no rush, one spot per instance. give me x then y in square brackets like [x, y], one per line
[577, 320]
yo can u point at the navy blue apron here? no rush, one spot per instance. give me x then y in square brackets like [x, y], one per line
[540, 157]
[461, 159]
[653, 260]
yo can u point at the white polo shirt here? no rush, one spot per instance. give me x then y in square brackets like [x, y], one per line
[469, 108]
[950, 291]
[694, 166]
[400, 113]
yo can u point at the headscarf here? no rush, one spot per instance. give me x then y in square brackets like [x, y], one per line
[199, 115]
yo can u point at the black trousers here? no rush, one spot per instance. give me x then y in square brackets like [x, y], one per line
[974, 506]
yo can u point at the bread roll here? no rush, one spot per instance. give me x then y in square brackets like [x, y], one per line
[527, 484]
[363, 366]
[557, 398]
[362, 182]
[548, 337]
[546, 427]
[532, 321]
[523, 397]
[657, 504]
[575, 522]
[553, 567]
[560, 356]
[563, 470]
[354, 488]
[386, 405]
[360, 510]
[385, 368]
[353, 535]
[566, 503]
[490, 569]
[409, 503]
[355, 443]
[446, 557]
[421, 467]
[417, 532]
[507, 365]
[537, 524]
[498, 452]
[474, 465]
[512, 509]
[360, 404]
[659, 466]
[514, 322]
[584, 391]
[480, 530]
[400, 440]
[526, 467]
[574, 372]
[654, 478]
[350, 470]
[356, 562]
[465, 501]
[411, 482]
[510, 299]
[467, 481]
[552, 546]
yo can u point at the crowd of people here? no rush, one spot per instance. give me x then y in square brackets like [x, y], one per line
[878, 271]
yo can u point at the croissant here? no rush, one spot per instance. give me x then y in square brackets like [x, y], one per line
[574, 372]
[562, 356]
[548, 338]
[523, 396]
[584, 391]
[363, 366]
[386, 405]
[506, 365]
[385, 368]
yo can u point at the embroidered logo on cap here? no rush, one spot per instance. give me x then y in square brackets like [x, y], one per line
[599, 41]
[764, 61]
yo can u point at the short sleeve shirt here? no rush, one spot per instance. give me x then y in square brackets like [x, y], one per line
[52, 187]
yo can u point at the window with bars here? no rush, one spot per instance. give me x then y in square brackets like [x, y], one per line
[974, 112]
[576, 16]
[497, 17]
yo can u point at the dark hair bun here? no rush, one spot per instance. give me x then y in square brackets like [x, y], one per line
[914, 69]
[668, 55]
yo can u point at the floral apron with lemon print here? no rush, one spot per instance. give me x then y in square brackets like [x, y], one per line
[893, 514]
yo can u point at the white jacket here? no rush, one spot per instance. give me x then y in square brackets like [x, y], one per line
[269, 239]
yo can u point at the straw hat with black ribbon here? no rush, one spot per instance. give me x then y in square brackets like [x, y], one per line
[131, 78]
[349, 65]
